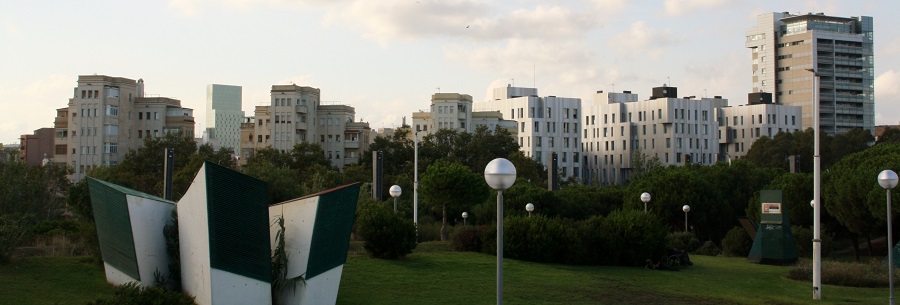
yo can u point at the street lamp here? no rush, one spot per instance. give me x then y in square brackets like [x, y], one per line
[465, 215]
[416, 179]
[645, 197]
[500, 174]
[395, 192]
[530, 208]
[817, 183]
[686, 209]
[888, 180]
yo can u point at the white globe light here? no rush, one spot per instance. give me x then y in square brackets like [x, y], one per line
[686, 208]
[812, 203]
[395, 191]
[887, 179]
[645, 197]
[500, 174]
[465, 214]
[529, 207]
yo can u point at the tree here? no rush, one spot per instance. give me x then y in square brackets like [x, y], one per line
[446, 184]
[889, 135]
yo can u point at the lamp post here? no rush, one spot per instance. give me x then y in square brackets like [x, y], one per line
[500, 174]
[395, 192]
[530, 208]
[416, 180]
[817, 180]
[465, 215]
[888, 180]
[645, 197]
[686, 209]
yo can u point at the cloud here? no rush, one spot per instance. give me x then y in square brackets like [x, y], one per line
[887, 104]
[35, 104]
[681, 7]
[640, 40]
[193, 8]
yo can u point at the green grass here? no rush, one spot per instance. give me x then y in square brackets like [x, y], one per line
[435, 275]
[431, 276]
[52, 280]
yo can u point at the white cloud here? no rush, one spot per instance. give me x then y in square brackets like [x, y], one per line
[681, 7]
[192, 8]
[887, 98]
[32, 102]
[640, 40]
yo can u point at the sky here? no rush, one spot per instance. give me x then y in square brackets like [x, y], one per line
[387, 57]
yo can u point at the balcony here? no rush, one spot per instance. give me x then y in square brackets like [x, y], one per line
[301, 109]
[351, 144]
[61, 122]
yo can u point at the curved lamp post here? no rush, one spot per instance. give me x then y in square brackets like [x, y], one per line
[500, 174]
[645, 197]
[395, 192]
[465, 215]
[686, 209]
[530, 208]
[888, 180]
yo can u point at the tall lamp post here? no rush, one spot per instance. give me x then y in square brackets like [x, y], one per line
[888, 180]
[465, 215]
[500, 174]
[686, 209]
[645, 197]
[395, 192]
[416, 179]
[530, 208]
[817, 183]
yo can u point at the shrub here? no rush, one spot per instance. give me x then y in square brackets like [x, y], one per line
[428, 231]
[52, 227]
[635, 236]
[468, 238]
[851, 274]
[736, 242]
[131, 293]
[386, 235]
[13, 230]
[803, 237]
[684, 241]
[540, 239]
[709, 248]
[594, 241]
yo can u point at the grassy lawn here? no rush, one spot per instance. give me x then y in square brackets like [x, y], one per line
[433, 276]
[52, 280]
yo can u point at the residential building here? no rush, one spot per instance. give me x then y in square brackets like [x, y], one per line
[740, 126]
[223, 117]
[34, 148]
[545, 125]
[785, 46]
[454, 111]
[673, 130]
[108, 116]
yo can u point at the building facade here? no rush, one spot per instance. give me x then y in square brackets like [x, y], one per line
[545, 125]
[34, 148]
[223, 117]
[108, 116]
[454, 111]
[839, 49]
[740, 126]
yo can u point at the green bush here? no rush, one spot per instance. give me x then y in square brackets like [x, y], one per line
[803, 238]
[634, 237]
[594, 241]
[736, 242]
[14, 229]
[133, 294]
[709, 248]
[468, 238]
[49, 227]
[684, 241]
[428, 231]
[540, 239]
[852, 274]
[386, 235]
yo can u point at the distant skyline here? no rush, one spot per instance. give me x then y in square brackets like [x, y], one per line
[387, 57]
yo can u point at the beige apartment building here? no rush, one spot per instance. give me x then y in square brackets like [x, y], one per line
[107, 117]
[785, 46]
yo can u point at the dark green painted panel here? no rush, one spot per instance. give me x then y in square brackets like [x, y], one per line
[331, 231]
[237, 207]
[113, 226]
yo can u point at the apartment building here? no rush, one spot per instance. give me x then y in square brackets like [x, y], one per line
[454, 111]
[108, 116]
[223, 117]
[35, 148]
[839, 49]
[740, 126]
[545, 125]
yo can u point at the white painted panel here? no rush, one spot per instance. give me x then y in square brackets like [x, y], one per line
[230, 288]
[148, 219]
[193, 231]
[322, 289]
[299, 220]
[116, 277]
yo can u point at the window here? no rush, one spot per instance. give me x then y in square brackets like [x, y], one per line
[140, 133]
[112, 110]
[110, 148]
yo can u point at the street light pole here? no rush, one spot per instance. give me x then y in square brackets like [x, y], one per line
[645, 197]
[686, 209]
[817, 183]
[395, 192]
[465, 215]
[888, 180]
[416, 181]
[529, 207]
[500, 174]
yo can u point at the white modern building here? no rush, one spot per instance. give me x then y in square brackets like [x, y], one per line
[740, 126]
[454, 111]
[545, 125]
[223, 116]
[107, 117]
[839, 49]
